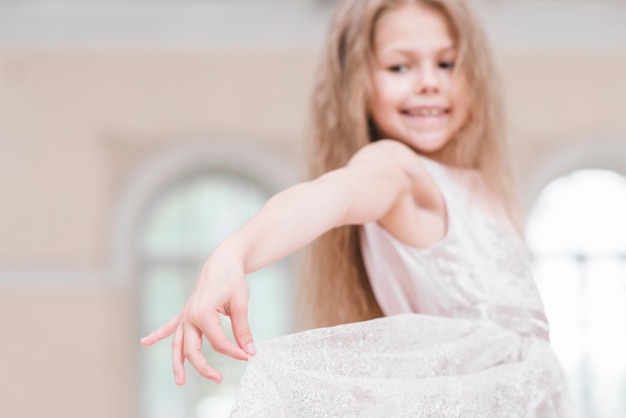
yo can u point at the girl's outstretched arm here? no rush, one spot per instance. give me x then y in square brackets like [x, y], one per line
[378, 178]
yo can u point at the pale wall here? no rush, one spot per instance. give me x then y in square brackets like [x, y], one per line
[75, 124]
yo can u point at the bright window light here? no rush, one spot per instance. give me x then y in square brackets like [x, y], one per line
[577, 233]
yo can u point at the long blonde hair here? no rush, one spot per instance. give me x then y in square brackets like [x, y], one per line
[335, 288]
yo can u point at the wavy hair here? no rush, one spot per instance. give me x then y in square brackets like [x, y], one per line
[334, 286]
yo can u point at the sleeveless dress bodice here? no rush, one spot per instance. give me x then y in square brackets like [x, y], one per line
[480, 268]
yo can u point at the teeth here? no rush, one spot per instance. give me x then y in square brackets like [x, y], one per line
[426, 112]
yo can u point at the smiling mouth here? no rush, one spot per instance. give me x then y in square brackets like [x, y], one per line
[426, 112]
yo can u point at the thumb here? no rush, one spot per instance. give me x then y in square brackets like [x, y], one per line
[239, 320]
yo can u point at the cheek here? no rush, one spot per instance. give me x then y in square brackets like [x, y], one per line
[390, 90]
[460, 99]
[382, 104]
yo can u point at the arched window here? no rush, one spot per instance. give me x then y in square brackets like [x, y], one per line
[176, 207]
[182, 226]
[577, 233]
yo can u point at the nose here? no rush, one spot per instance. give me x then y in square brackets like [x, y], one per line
[428, 79]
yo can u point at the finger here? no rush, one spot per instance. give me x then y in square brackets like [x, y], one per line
[163, 332]
[193, 353]
[214, 333]
[178, 358]
[239, 319]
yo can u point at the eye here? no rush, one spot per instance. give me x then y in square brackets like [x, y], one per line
[400, 68]
[446, 65]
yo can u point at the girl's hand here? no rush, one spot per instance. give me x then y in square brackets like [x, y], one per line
[219, 290]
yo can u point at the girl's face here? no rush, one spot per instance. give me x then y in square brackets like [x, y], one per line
[416, 98]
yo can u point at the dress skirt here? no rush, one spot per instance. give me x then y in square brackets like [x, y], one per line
[409, 365]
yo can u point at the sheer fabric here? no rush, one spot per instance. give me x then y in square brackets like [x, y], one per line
[465, 334]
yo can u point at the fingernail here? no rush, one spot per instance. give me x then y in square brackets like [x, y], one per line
[251, 349]
[177, 379]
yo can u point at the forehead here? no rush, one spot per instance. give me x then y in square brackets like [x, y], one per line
[411, 26]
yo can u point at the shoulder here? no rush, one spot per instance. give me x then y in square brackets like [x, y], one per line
[419, 216]
[386, 150]
[395, 156]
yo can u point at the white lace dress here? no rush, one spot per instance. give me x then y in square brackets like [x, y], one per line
[464, 336]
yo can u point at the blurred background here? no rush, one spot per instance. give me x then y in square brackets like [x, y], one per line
[135, 134]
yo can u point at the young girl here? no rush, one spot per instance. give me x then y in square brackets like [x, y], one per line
[413, 218]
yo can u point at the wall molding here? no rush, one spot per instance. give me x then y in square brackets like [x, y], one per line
[527, 25]
[157, 171]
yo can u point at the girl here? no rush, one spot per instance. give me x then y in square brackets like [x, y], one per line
[417, 220]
